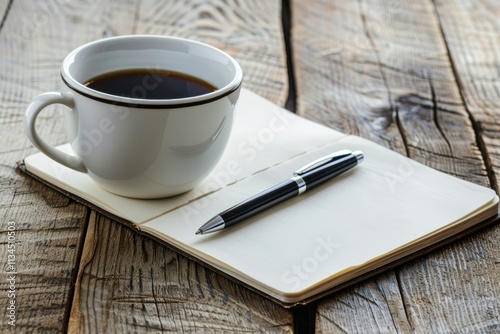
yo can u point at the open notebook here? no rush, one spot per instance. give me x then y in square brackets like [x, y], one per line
[382, 212]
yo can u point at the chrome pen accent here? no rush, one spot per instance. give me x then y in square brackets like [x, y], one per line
[305, 178]
[300, 183]
[326, 160]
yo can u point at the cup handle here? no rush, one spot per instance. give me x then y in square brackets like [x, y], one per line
[35, 107]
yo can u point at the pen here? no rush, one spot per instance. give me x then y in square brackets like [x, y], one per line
[306, 178]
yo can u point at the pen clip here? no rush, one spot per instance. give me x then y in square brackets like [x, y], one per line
[323, 161]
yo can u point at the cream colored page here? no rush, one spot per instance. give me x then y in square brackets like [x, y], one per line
[384, 203]
[263, 135]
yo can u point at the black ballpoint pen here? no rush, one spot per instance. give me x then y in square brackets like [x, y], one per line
[309, 176]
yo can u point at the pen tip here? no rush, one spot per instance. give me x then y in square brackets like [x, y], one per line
[199, 232]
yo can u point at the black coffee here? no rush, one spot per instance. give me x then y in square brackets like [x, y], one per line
[150, 84]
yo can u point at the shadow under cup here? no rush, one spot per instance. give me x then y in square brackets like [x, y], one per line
[150, 148]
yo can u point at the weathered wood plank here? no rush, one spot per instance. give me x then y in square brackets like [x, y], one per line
[47, 230]
[373, 307]
[46, 225]
[129, 283]
[382, 70]
[4, 12]
[456, 289]
[251, 31]
[471, 30]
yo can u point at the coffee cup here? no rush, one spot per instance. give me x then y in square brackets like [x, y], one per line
[148, 116]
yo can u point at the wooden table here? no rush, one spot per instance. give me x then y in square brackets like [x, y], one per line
[420, 77]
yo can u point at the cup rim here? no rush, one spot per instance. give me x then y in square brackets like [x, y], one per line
[224, 91]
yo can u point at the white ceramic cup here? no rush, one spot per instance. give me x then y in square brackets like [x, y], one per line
[138, 147]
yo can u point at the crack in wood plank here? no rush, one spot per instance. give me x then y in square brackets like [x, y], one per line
[5, 14]
[74, 274]
[476, 127]
[435, 116]
[394, 110]
[286, 21]
[403, 301]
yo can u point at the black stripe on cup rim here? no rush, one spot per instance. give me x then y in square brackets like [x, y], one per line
[136, 103]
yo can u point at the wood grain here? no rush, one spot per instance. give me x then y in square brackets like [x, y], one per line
[382, 70]
[4, 12]
[472, 34]
[48, 226]
[469, 269]
[129, 283]
[250, 31]
[375, 306]
[456, 289]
